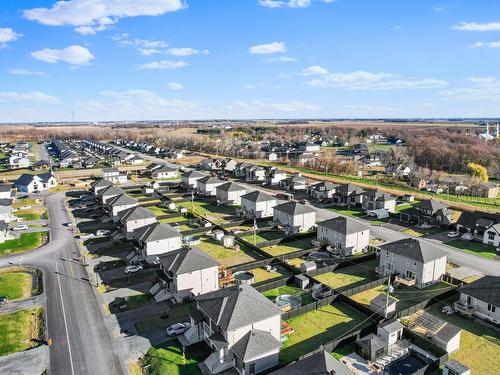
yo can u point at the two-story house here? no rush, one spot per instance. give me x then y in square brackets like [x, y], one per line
[189, 179]
[255, 173]
[113, 175]
[294, 217]
[164, 172]
[135, 218]
[242, 327]
[348, 195]
[374, 199]
[275, 176]
[119, 203]
[230, 193]
[343, 234]
[156, 239]
[322, 191]
[297, 182]
[29, 183]
[482, 226]
[427, 212]
[108, 193]
[99, 185]
[257, 204]
[481, 298]
[206, 185]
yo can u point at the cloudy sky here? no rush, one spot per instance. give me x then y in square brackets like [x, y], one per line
[196, 59]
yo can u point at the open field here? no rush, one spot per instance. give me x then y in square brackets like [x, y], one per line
[25, 242]
[472, 247]
[317, 327]
[15, 284]
[227, 257]
[26, 202]
[350, 277]
[20, 330]
[168, 359]
[288, 247]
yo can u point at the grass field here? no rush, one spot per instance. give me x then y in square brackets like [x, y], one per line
[263, 236]
[168, 359]
[14, 284]
[317, 327]
[352, 212]
[472, 247]
[227, 257]
[288, 247]
[420, 232]
[479, 345]
[292, 290]
[262, 275]
[350, 277]
[296, 262]
[209, 211]
[31, 214]
[20, 330]
[25, 242]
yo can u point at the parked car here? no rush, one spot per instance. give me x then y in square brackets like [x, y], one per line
[3, 300]
[453, 234]
[133, 269]
[102, 232]
[178, 329]
[25, 207]
[87, 236]
[20, 227]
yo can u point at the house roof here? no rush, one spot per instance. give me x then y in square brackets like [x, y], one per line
[236, 306]
[350, 188]
[294, 208]
[186, 260]
[111, 190]
[378, 195]
[456, 366]
[164, 168]
[135, 213]
[102, 182]
[447, 332]
[470, 219]
[121, 200]
[193, 174]
[486, 289]
[324, 186]
[343, 225]
[254, 344]
[109, 170]
[5, 201]
[3, 226]
[230, 186]
[381, 299]
[391, 327]
[321, 363]
[209, 180]
[258, 196]
[431, 204]
[155, 232]
[5, 187]
[25, 179]
[414, 249]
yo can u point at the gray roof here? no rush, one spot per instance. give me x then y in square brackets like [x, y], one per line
[431, 204]
[155, 232]
[343, 225]
[164, 168]
[486, 289]
[230, 186]
[391, 327]
[324, 186]
[121, 200]
[258, 196]
[3, 226]
[321, 363]
[5, 187]
[414, 249]
[254, 344]
[379, 195]
[111, 190]
[447, 332]
[135, 213]
[294, 208]
[236, 306]
[381, 299]
[458, 367]
[210, 180]
[183, 261]
[109, 170]
[102, 182]
[193, 174]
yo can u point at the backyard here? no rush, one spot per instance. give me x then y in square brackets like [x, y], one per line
[20, 330]
[263, 236]
[288, 247]
[350, 277]
[15, 284]
[209, 211]
[292, 290]
[25, 242]
[170, 358]
[473, 247]
[262, 275]
[318, 327]
[227, 257]
[422, 232]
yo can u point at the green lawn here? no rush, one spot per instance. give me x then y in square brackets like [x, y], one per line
[209, 211]
[350, 277]
[296, 262]
[317, 327]
[176, 313]
[157, 210]
[479, 345]
[25, 242]
[353, 211]
[26, 202]
[288, 247]
[227, 257]
[473, 247]
[405, 206]
[15, 285]
[289, 289]
[262, 275]
[20, 330]
[31, 214]
[168, 359]
[420, 232]
[263, 236]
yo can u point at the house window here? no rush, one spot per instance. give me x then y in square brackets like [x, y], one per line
[469, 300]
[407, 262]
[410, 274]
[491, 236]
[414, 264]
[387, 254]
[491, 308]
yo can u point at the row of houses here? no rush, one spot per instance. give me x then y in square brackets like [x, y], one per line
[112, 155]
[17, 154]
[150, 148]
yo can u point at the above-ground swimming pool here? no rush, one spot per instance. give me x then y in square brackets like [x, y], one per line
[319, 256]
[244, 277]
[407, 365]
[288, 302]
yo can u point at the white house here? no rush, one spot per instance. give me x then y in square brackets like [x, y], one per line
[294, 216]
[99, 185]
[492, 235]
[6, 191]
[348, 236]
[481, 298]
[297, 182]
[108, 193]
[230, 193]
[164, 172]
[275, 176]
[189, 179]
[29, 183]
[207, 185]
[113, 175]
[6, 214]
[322, 191]
[119, 203]
[19, 162]
[255, 173]
[242, 327]
[189, 272]
[156, 239]
[374, 199]
[414, 260]
[257, 204]
[135, 218]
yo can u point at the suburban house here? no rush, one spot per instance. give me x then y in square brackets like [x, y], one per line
[156, 239]
[206, 185]
[19, 162]
[322, 190]
[242, 327]
[29, 183]
[374, 199]
[255, 173]
[189, 179]
[343, 234]
[187, 273]
[427, 212]
[482, 226]
[113, 175]
[275, 176]
[297, 182]
[210, 164]
[135, 218]
[164, 172]
[415, 261]
[321, 363]
[119, 203]
[229, 165]
[348, 195]
[99, 185]
[6, 191]
[108, 193]
[294, 216]
[230, 193]
[6, 214]
[257, 204]
[481, 298]
[4, 231]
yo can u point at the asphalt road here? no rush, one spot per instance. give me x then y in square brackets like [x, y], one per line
[488, 267]
[81, 344]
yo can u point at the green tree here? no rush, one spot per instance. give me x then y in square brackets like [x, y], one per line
[477, 170]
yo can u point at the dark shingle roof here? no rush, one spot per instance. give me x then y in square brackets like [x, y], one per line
[193, 174]
[324, 186]
[5, 187]
[321, 363]
[111, 190]
[469, 219]
[121, 200]
[102, 182]
[254, 344]
[431, 204]
[294, 208]
[391, 327]
[486, 289]
[155, 232]
[237, 306]
[414, 249]
[135, 213]
[109, 170]
[209, 180]
[342, 225]
[230, 186]
[184, 261]
[258, 196]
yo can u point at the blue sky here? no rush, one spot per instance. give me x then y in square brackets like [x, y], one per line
[197, 59]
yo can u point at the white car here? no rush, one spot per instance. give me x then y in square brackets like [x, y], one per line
[133, 269]
[102, 232]
[20, 227]
[27, 207]
[453, 234]
[178, 329]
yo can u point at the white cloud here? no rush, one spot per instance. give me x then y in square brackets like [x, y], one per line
[486, 45]
[162, 64]
[281, 59]
[145, 47]
[89, 17]
[175, 86]
[33, 96]
[7, 35]
[24, 72]
[73, 55]
[285, 3]
[480, 89]
[473, 26]
[266, 49]
[186, 51]
[361, 80]
[266, 108]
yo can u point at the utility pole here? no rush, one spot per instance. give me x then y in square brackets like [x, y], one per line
[254, 230]
[387, 296]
